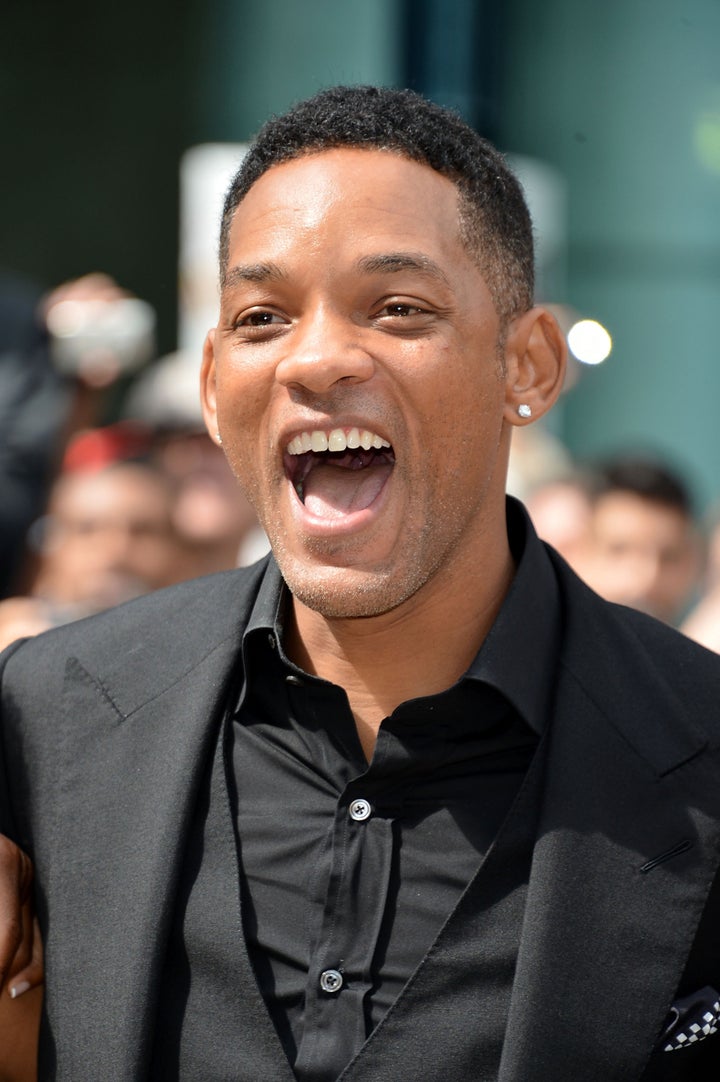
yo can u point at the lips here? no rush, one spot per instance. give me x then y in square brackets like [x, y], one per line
[338, 473]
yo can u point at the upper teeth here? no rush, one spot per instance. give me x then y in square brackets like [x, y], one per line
[337, 440]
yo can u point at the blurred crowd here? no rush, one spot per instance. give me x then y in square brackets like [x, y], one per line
[627, 525]
[96, 512]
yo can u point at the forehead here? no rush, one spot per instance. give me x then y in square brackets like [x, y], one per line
[110, 493]
[627, 513]
[367, 193]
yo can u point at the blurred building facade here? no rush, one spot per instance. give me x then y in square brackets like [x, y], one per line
[620, 102]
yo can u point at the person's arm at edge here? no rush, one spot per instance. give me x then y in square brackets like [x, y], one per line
[21, 966]
[20, 953]
[19, 1028]
[20, 950]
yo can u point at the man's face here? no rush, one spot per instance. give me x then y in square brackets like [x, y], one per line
[110, 538]
[353, 319]
[646, 554]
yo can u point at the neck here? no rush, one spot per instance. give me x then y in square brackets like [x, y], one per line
[421, 648]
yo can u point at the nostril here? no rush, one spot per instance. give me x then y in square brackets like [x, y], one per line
[323, 363]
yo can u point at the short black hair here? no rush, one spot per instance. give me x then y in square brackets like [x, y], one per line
[644, 476]
[494, 220]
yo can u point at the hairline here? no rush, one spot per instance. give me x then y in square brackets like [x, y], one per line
[467, 213]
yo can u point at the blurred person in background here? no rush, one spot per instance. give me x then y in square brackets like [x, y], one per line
[60, 354]
[646, 549]
[561, 511]
[108, 537]
[32, 401]
[215, 523]
[537, 456]
[703, 621]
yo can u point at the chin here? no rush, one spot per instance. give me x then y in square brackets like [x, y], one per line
[347, 593]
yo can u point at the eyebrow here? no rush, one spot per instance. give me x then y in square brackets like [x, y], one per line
[253, 272]
[383, 263]
[396, 262]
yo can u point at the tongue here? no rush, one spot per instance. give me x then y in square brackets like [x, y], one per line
[331, 491]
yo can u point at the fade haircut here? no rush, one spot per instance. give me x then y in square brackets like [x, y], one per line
[494, 221]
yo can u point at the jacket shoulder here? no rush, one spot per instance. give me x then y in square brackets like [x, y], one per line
[622, 654]
[168, 623]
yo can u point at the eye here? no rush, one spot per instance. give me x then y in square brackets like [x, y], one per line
[260, 317]
[401, 310]
[258, 324]
[404, 316]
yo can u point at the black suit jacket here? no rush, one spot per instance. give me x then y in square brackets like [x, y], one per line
[108, 726]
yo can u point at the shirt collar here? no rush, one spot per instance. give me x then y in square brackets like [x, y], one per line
[267, 610]
[519, 655]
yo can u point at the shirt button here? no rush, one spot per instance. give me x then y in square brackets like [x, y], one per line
[360, 810]
[294, 680]
[271, 641]
[331, 980]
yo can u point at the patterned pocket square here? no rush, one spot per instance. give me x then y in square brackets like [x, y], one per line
[691, 1019]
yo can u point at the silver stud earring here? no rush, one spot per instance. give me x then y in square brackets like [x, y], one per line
[218, 437]
[524, 410]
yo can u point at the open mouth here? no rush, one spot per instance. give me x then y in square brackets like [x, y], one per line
[339, 472]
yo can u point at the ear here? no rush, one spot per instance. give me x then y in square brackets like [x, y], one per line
[208, 389]
[535, 358]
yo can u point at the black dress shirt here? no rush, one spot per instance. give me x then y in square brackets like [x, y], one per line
[350, 869]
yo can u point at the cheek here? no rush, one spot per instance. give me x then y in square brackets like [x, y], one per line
[467, 418]
[240, 400]
[467, 372]
[242, 408]
[252, 464]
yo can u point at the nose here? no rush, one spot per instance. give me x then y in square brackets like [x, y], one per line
[323, 349]
[117, 545]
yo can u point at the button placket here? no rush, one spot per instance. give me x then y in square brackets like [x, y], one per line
[352, 918]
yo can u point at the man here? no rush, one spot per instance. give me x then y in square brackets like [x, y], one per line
[406, 801]
[646, 548]
[108, 537]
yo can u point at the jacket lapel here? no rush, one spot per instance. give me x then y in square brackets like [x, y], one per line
[625, 855]
[132, 780]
